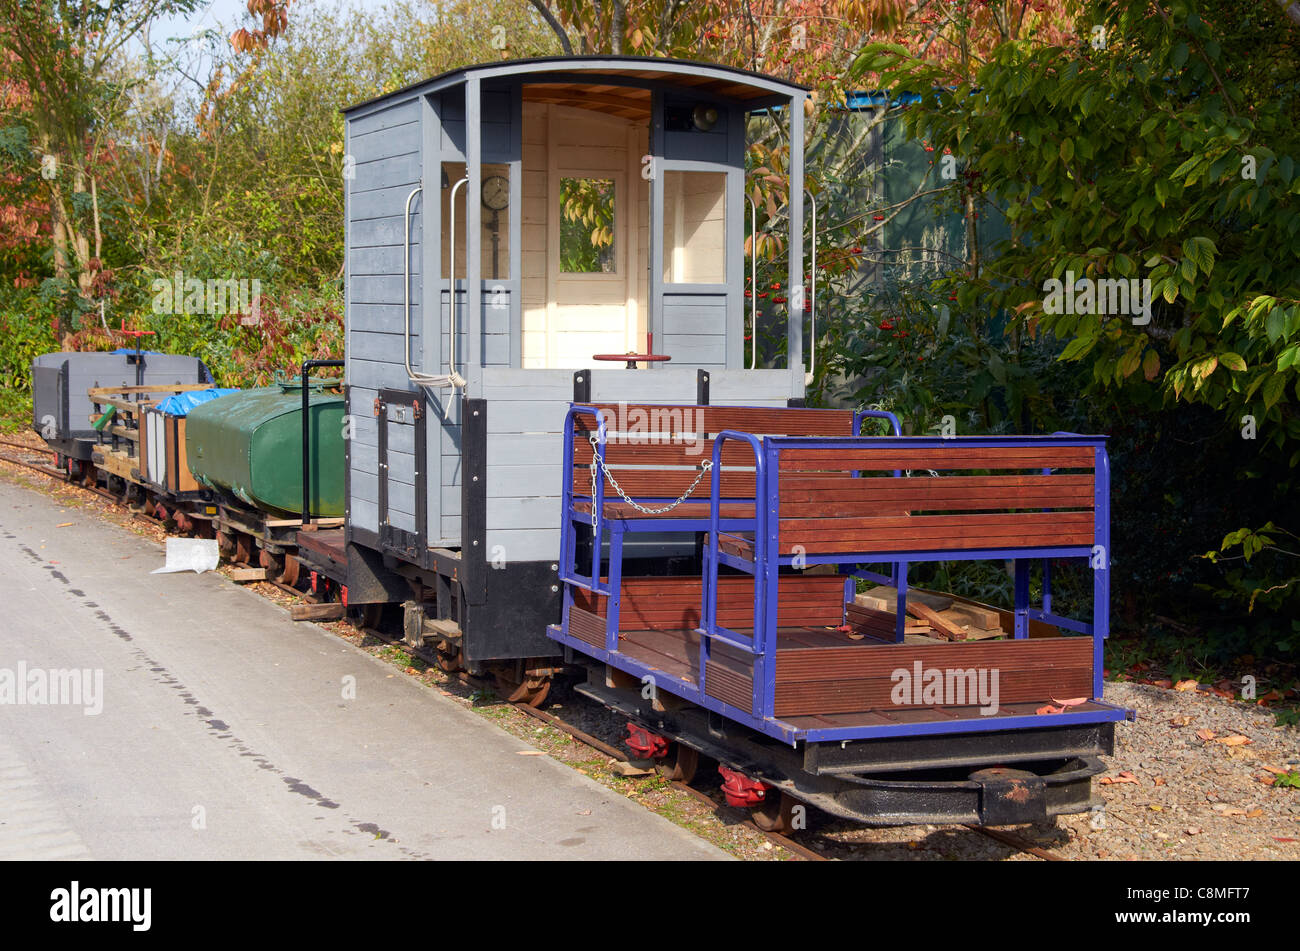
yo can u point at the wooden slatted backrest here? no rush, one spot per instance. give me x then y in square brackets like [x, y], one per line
[655, 451]
[964, 496]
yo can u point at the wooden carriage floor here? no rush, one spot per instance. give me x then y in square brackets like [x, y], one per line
[819, 694]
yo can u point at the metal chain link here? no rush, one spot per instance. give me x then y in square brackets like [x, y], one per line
[596, 460]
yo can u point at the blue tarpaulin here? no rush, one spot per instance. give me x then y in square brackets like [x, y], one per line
[182, 403]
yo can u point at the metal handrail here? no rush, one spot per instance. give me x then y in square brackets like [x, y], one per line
[753, 283]
[597, 502]
[709, 615]
[307, 367]
[452, 378]
[812, 297]
[875, 414]
[451, 279]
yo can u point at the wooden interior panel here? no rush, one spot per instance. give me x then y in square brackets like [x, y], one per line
[673, 603]
[667, 483]
[649, 452]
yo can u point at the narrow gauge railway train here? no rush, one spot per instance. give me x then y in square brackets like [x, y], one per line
[564, 462]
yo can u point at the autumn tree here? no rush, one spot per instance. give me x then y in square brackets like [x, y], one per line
[62, 51]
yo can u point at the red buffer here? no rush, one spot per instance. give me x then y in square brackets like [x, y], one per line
[644, 744]
[741, 791]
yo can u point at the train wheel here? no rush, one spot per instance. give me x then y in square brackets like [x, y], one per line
[448, 657]
[776, 814]
[371, 615]
[680, 763]
[243, 549]
[272, 562]
[531, 690]
[290, 573]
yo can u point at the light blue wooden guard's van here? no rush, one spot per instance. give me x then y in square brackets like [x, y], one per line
[508, 226]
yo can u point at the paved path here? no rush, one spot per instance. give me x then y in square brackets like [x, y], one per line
[224, 730]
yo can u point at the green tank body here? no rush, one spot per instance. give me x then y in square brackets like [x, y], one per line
[249, 445]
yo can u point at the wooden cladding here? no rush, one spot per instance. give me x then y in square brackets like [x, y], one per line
[673, 603]
[861, 678]
[846, 680]
[925, 493]
[937, 532]
[885, 458]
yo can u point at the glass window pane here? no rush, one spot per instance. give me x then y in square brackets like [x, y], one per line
[695, 227]
[494, 239]
[587, 225]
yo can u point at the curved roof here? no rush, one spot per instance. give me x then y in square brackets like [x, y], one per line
[754, 90]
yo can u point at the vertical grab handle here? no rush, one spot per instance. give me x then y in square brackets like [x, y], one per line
[812, 297]
[307, 367]
[753, 283]
[451, 280]
[406, 282]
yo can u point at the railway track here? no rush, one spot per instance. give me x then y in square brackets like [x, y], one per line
[785, 842]
[32, 452]
[56, 473]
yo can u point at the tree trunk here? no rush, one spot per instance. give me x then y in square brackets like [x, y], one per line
[616, 27]
[972, 236]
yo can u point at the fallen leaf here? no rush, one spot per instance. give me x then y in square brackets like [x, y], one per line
[1180, 721]
[1278, 838]
[1223, 809]
[64, 524]
[1192, 830]
[584, 812]
[1123, 777]
[1156, 808]
[1254, 813]
[1271, 769]
[1186, 685]
[529, 753]
[1159, 780]
[1050, 709]
[1206, 735]
[1070, 703]
[1161, 683]
[1235, 740]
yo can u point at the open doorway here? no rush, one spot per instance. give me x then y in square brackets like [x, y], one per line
[585, 235]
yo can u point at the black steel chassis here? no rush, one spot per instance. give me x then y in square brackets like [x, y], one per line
[897, 781]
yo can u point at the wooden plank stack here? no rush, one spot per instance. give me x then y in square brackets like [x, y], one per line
[933, 615]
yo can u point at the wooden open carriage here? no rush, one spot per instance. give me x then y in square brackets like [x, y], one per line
[761, 637]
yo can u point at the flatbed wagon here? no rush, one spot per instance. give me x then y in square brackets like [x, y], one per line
[763, 646]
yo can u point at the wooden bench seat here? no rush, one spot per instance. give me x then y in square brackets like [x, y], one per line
[841, 500]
